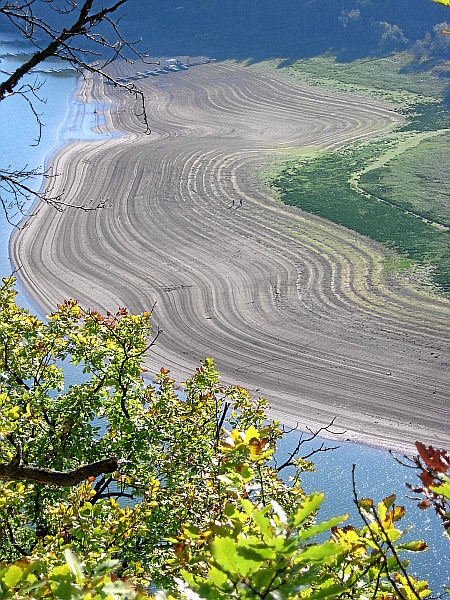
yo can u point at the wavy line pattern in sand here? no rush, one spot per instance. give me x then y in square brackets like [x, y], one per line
[289, 305]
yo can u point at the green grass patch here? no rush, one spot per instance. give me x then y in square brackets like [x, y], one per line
[397, 264]
[426, 117]
[321, 186]
[391, 78]
[392, 189]
[416, 180]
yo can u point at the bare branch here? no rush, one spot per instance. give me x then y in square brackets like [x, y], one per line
[80, 27]
[14, 183]
[59, 478]
[12, 538]
[289, 462]
[78, 43]
[221, 420]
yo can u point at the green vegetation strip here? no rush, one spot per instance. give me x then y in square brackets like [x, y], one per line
[394, 78]
[416, 178]
[321, 186]
[392, 189]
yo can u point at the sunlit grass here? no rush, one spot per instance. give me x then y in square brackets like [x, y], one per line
[393, 189]
[417, 179]
[391, 78]
[321, 186]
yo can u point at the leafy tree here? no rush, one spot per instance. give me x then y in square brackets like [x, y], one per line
[37, 578]
[115, 483]
[267, 554]
[70, 456]
[112, 484]
[391, 37]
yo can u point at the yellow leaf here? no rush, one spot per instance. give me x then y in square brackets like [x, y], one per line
[251, 433]
[13, 413]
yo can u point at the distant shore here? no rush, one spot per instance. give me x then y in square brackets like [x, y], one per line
[290, 306]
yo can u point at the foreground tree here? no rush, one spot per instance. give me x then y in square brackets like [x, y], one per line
[115, 478]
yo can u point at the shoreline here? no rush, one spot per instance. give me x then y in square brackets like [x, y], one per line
[50, 146]
[311, 403]
[77, 112]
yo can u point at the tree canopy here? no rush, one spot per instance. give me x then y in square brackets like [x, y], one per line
[114, 484]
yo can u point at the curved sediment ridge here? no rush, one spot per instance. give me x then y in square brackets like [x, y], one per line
[290, 306]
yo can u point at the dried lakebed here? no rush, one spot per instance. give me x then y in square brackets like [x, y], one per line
[289, 305]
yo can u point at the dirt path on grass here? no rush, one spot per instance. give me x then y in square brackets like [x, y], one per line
[289, 305]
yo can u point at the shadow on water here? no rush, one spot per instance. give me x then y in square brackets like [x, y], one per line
[256, 31]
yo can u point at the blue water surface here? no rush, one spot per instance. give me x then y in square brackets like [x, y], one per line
[64, 119]
[18, 136]
[377, 476]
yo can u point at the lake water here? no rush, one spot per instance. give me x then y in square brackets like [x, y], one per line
[65, 119]
[18, 135]
[378, 475]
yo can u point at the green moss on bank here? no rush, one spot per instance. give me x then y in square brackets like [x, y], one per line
[416, 180]
[393, 78]
[321, 186]
[393, 189]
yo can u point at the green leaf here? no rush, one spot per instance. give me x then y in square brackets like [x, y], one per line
[332, 590]
[310, 504]
[75, 565]
[389, 501]
[318, 554]
[218, 578]
[107, 566]
[254, 550]
[310, 532]
[224, 552]
[12, 576]
[63, 590]
[413, 546]
[443, 489]
[259, 518]
[230, 510]
[60, 573]
[365, 503]
[263, 578]
[247, 474]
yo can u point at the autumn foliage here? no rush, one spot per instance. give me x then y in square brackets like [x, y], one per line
[113, 483]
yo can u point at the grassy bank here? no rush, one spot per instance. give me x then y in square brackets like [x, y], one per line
[322, 186]
[393, 189]
[392, 78]
[416, 180]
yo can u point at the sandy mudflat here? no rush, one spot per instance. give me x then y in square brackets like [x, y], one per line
[290, 306]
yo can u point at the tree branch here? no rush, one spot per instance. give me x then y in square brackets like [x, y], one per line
[59, 478]
[79, 44]
[80, 27]
[379, 547]
[289, 462]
